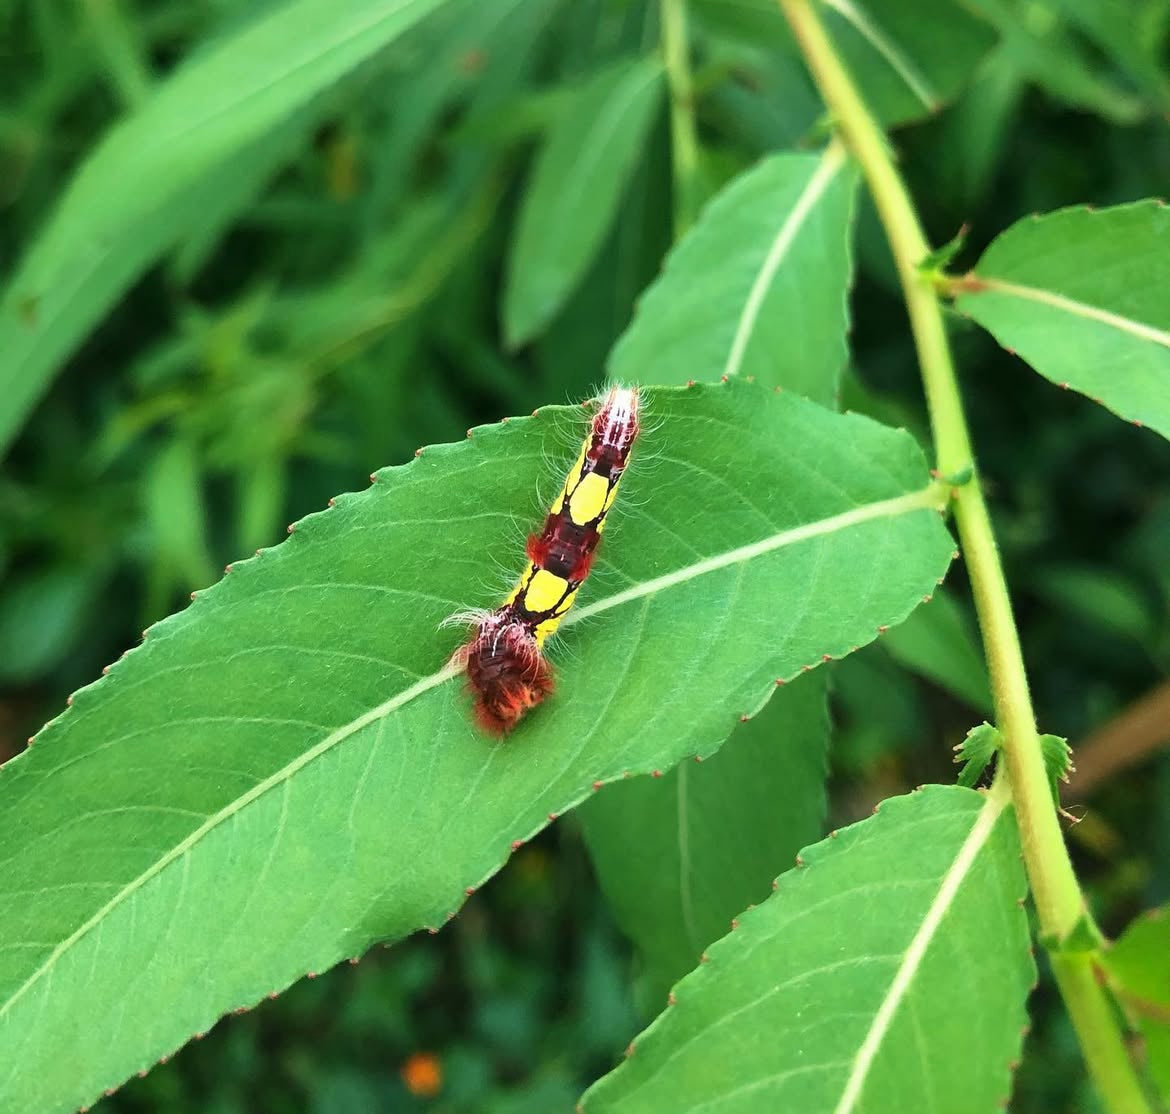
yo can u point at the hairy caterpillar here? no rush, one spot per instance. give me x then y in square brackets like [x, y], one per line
[507, 671]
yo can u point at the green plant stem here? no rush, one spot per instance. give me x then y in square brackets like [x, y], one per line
[684, 143]
[1059, 903]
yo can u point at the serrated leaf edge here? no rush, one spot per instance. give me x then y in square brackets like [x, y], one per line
[925, 498]
[995, 801]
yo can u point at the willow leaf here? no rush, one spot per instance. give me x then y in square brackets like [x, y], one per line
[286, 772]
[888, 972]
[909, 59]
[577, 185]
[146, 185]
[1084, 297]
[679, 856]
[758, 287]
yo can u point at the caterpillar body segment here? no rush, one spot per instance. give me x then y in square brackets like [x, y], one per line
[506, 670]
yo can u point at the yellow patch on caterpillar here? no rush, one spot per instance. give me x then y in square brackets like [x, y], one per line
[545, 590]
[548, 626]
[589, 498]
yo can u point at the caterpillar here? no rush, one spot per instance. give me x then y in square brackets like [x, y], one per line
[507, 672]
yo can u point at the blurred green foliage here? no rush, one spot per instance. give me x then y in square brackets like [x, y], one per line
[350, 310]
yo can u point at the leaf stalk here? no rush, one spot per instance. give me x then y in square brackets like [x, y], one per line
[684, 144]
[1060, 906]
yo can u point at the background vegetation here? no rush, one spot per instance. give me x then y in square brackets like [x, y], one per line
[357, 286]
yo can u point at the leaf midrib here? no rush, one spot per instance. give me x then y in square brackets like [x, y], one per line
[907, 72]
[931, 497]
[912, 958]
[829, 166]
[1073, 307]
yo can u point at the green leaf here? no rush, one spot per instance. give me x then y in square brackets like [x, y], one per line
[1139, 968]
[908, 58]
[1084, 297]
[575, 189]
[971, 142]
[1040, 48]
[975, 752]
[937, 643]
[889, 972]
[147, 184]
[1106, 598]
[42, 612]
[941, 257]
[759, 286]
[679, 856]
[286, 772]
[1057, 762]
[1133, 35]
[173, 494]
[472, 50]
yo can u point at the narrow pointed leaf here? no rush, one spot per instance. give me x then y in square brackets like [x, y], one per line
[679, 856]
[911, 58]
[574, 192]
[146, 185]
[758, 287]
[908, 58]
[286, 772]
[889, 972]
[1084, 297]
